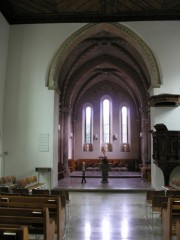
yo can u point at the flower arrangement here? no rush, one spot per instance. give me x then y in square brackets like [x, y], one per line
[103, 158]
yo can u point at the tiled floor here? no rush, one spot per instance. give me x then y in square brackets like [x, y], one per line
[112, 211]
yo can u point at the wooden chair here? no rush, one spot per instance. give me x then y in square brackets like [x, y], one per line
[158, 201]
[35, 184]
[173, 193]
[151, 193]
[149, 198]
[170, 218]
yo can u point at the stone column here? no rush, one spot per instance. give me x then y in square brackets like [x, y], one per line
[64, 116]
[144, 135]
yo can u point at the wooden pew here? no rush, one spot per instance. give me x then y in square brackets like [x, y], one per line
[21, 191]
[178, 229]
[40, 192]
[4, 189]
[37, 220]
[13, 232]
[53, 203]
[170, 217]
[65, 196]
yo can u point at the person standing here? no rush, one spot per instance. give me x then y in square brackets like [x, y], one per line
[83, 173]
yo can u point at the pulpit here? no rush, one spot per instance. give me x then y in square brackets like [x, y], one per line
[166, 150]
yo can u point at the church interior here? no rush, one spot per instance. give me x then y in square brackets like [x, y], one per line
[89, 116]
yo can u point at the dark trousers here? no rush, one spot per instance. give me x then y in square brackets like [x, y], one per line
[83, 178]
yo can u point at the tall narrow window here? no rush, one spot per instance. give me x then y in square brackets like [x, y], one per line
[106, 121]
[88, 125]
[87, 128]
[124, 125]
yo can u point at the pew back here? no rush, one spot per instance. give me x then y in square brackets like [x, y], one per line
[37, 220]
[53, 203]
[13, 232]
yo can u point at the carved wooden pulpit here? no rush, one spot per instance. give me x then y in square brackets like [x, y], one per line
[166, 150]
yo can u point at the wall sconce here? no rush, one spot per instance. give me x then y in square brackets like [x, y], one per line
[107, 147]
[88, 147]
[125, 147]
[115, 137]
[71, 135]
[95, 137]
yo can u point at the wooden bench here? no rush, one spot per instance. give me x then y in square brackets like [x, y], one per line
[66, 201]
[4, 189]
[178, 229]
[8, 181]
[13, 232]
[170, 217]
[29, 183]
[40, 192]
[37, 220]
[53, 203]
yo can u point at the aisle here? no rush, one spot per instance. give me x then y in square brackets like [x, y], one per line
[105, 216]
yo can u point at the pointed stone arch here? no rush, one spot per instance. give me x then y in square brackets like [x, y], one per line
[118, 30]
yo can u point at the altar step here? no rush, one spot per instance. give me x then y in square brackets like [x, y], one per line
[112, 174]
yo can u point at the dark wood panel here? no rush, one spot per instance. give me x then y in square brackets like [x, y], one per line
[48, 11]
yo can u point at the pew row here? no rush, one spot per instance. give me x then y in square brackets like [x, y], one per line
[170, 218]
[37, 220]
[13, 232]
[53, 203]
[65, 196]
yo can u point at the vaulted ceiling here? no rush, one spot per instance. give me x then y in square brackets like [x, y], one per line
[56, 11]
[99, 59]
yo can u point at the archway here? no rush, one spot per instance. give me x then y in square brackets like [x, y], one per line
[90, 58]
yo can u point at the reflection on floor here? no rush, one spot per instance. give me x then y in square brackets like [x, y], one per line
[94, 184]
[111, 216]
[110, 211]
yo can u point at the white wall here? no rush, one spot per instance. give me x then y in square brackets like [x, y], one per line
[4, 37]
[29, 105]
[163, 38]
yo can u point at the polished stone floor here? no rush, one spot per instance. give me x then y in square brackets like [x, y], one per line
[111, 216]
[111, 211]
[94, 184]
